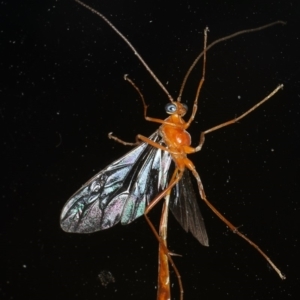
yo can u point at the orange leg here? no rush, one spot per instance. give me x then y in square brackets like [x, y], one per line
[163, 282]
[144, 139]
[163, 292]
[151, 119]
[163, 250]
[246, 113]
[112, 137]
[228, 223]
[155, 120]
[195, 106]
[189, 150]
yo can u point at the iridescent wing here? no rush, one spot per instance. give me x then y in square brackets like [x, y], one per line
[120, 192]
[184, 206]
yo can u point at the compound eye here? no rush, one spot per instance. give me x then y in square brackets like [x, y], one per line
[170, 108]
[185, 106]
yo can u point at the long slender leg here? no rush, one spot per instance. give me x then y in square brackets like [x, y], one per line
[201, 142]
[139, 138]
[189, 150]
[163, 282]
[177, 175]
[140, 94]
[230, 225]
[164, 253]
[151, 119]
[223, 39]
[156, 120]
[246, 113]
[195, 106]
[112, 137]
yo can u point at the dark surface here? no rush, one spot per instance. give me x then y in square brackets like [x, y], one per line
[63, 91]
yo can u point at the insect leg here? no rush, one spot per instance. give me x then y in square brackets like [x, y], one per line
[201, 142]
[223, 39]
[230, 225]
[177, 175]
[163, 282]
[189, 150]
[165, 250]
[195, 106]
[112, 137]
[156, 120]
[139, 138]
[246, 113]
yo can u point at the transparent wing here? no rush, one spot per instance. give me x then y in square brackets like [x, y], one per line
[184, 206]
[120, 192]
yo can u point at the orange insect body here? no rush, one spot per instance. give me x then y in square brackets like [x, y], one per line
[177, 143]
[177, 139]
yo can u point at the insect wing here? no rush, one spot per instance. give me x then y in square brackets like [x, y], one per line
[120, 192]
[184, 206]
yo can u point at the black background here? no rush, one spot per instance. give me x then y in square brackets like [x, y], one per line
[62, 91]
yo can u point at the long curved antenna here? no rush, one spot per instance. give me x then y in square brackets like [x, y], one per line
[219, 41]
[130, 46]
